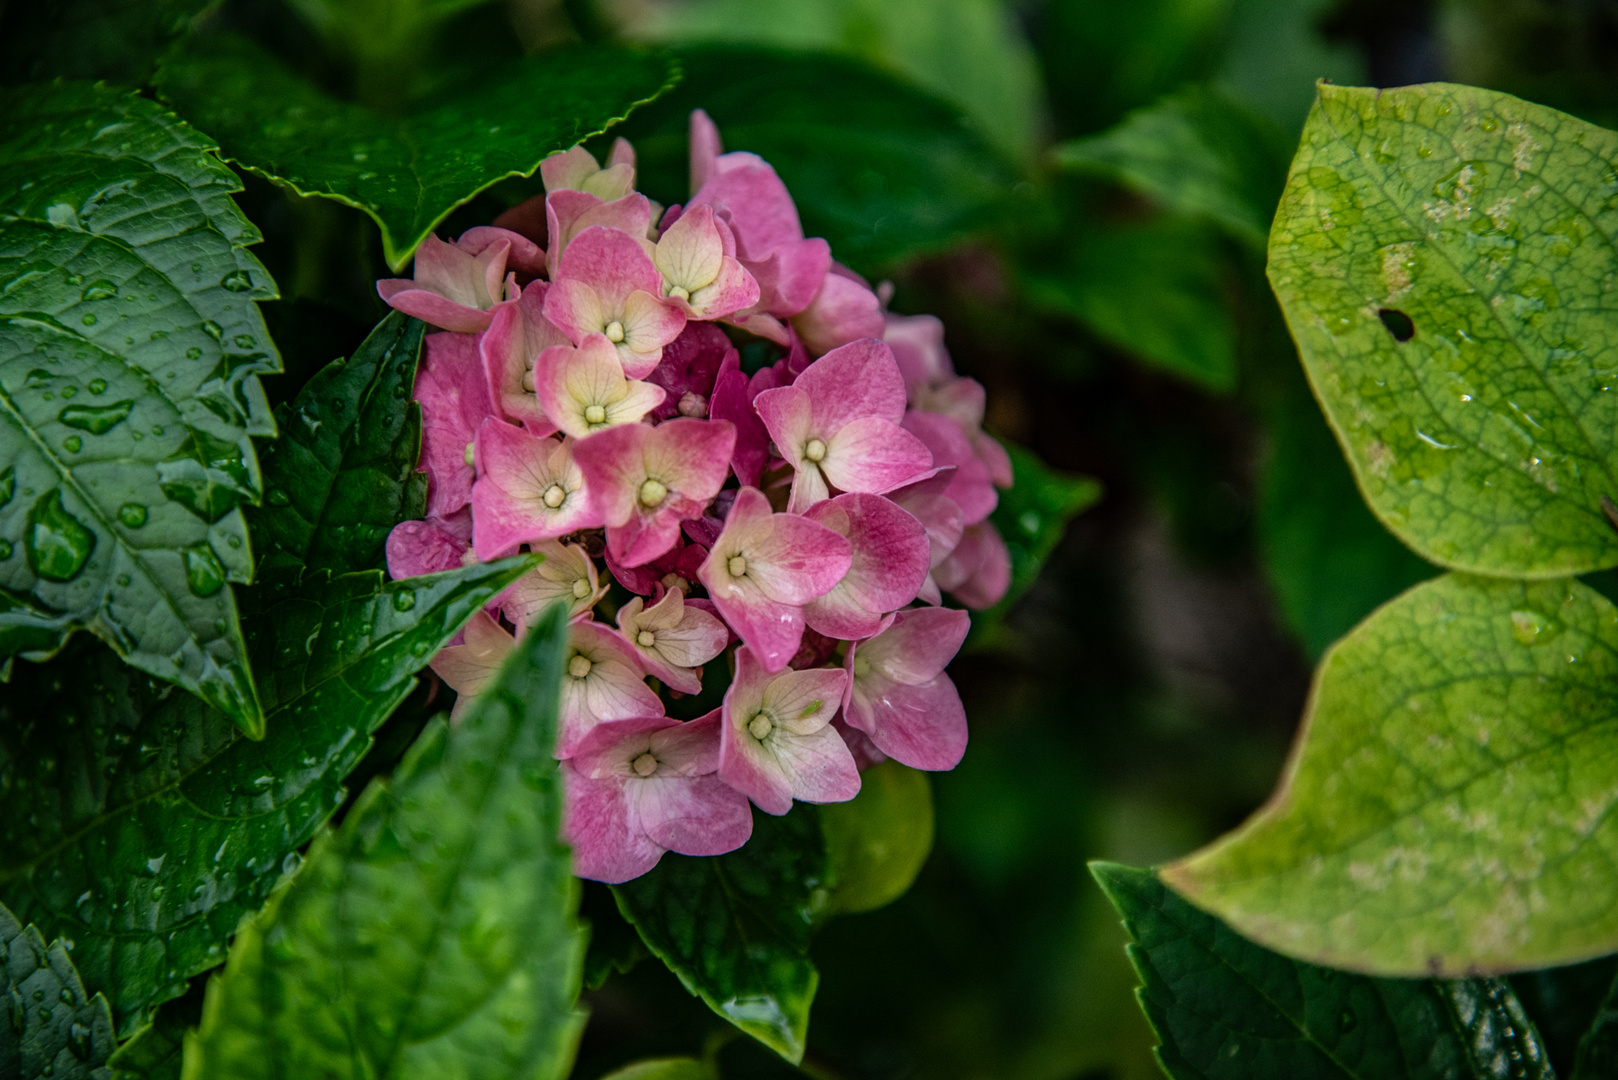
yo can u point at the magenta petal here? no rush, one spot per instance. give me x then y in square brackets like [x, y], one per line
[403, 295]
[971, 486]
[989, 581]
[918, 346]
[698, 815]
[843, 311]
[732, 401]
[454, 397]
[922, 726]
[595, 821]
[797, 561]
[522, 254]
[875, 456]
[891, 560]
[858, 380]
[760, 208]
[508, 501]
[918, 645]
[612, 262]
[705, 149]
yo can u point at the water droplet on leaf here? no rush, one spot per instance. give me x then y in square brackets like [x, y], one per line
[203, 573]
[99, 290]
[132, 514]
[57, 543]
[237, 281]
[96, 419]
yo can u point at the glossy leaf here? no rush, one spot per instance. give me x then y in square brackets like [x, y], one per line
[964, 51]
[1563, 1003]
[663, 1069]
[1155, 289]
[91, 39]
[407, 171]
[433, 933]
[342, 474]
[156, 1051]
[53, 1028]
[879, 839]
[141, 825]
[130, 349]
[735, 928]
[1197, 153]
[1223, 1007]
[1598, 1050]
[1032, 518]
[880, 170]
[1447, 809]
[1441, 256]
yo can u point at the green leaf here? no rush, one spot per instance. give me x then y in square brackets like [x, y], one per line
[1563, 1003]
[965, 51]
[614, 944]
[1154, 288]
[735, 928]
[140, 824]
[1224, 1008]
[156, 1051]
[663, 1069]
[1441, 256]
[130, 349]
[433, 933]
[91, 39]
[342, 475]
[53, 1027]
[1598, 1050]
[1447, 808]
[1031, 518]
[880, 170]
[1197, 153]
[1274, 50]
[878, 840]
[407, 171]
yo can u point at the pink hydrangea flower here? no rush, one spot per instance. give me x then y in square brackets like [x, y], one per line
[765, 567]
[844, 310]
[776, 741]
[454, 399]
[769, 237]
[528, 489]
[917, 342]
[837, 425]
[733, 402]
[569, 213]
[456, 285]
[696, 256]
[890, 565]
[583, 390]
[601, 680]
[970, 484]
[567, 574]
[415, 548]
[472, 663]
[637, 788]
[606, 284]
[516, 336]
[644, 481]
[978, 571]
[942, 519]
[578, 170]
[689, 369]
[673, 639]
[898, 694]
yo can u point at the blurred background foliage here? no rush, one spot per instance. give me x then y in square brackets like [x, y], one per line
[1080, 189]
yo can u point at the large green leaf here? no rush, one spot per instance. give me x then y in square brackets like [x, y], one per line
[1198, 153]
[966, 51]
[433, 934]
[90, 39]
[735, 928]
[157, 1051]
[880, 170]
[138, 823]
[1443, 255]
[1154, 288]
[1448, 808]
[1223, 1007]
[130, 349]
[53, 1029]
[1031, 518]
[342, 475]
[407, 171]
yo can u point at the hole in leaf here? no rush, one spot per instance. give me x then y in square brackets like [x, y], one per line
[1398, 323]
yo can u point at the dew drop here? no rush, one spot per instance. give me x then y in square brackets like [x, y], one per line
[70, 392]
[99, 290]
[73, 444]
[57, 543]
[193, 353]
[98, 386]
[124, 580]
[1348, 1021]
[132, 514]
[278, 497]
[96, 419]
[78, 1040]
[202, 570]
[404, 600]
[5, 549]
[244, 341]
[88, 320]
[213, 329]
[8, 484]
[237, 281]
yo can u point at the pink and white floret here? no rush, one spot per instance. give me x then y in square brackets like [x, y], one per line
[773, 543]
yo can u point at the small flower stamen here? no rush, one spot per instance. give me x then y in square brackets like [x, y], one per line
[646, 639]
[760, 726]
[581, 589]
[466, 455]
[579, 667]
[554, 496]
[815, 450]
[737, 565]
[614, 331]
[679, 292]
[595, 414]
[645, 765]
[652, 492]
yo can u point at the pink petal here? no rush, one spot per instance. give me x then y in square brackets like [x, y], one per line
[700, 815]
[788, 415]
[690, 365]
[517, 334]
[874, 455]
[918, 347]
[454, 398]
[971, 486]
[760, 208]
[789, 276]
[705, 149]
[472, 665]
[522, 254]
[962, 400]
[819, 767]
[922, 726]
[994, 456]
[854, 381]
[991, 576]
[569, 213]
[649, 324]
[508, 500]
[595, 821]
[842, 311]
[793, 562]
[527, 219]
[890, 565]
[612, 262]
[431, 308]
[611, 688]
[415, 548]
[917, 646]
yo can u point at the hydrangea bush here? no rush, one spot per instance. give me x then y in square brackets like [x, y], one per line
[794, 524]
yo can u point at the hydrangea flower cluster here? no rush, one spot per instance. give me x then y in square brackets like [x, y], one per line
[586, 399]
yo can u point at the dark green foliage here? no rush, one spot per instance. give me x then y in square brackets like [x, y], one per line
[53, 1028]
[1224, 1007]
[343, 473]
[139, 823]
[735, 928]
[433, 933]
[156, 1051]
[879, 169]
[130, 349]
[115, 40]
[408, 168]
